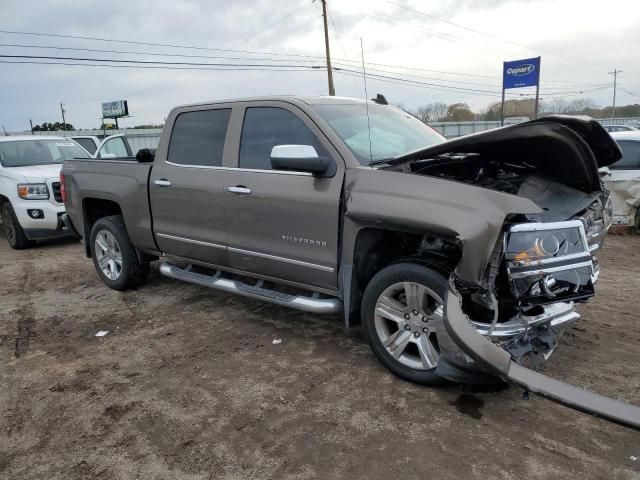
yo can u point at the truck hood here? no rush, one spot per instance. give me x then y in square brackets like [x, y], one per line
[569, 148]
[36, 173]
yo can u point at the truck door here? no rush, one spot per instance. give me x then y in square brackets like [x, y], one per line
[186, 187]
[283, 224]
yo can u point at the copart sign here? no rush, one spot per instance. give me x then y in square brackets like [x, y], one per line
[521, 73]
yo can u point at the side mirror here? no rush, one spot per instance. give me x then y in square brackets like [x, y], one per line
[300, 158]
[604, 172]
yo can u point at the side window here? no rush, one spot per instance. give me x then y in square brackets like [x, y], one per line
[114, 146]
[87, 144]
[266, 127]
[630, 157]
[198, 137]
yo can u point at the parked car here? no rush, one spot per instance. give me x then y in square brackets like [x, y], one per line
[89, 142]
[30, 196]
[623, 180]
[114, 146]
[462, 259]
[620, 128]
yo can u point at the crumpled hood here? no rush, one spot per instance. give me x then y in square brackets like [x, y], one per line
[575, 146]
[37, 173]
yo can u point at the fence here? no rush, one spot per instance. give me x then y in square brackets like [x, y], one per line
[148, 138]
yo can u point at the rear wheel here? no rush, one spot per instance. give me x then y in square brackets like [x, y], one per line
[636, 227]
[114, 256]
[12, 229]
[400, 309]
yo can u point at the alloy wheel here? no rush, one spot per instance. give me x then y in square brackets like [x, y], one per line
[108, 254]
[405, 319]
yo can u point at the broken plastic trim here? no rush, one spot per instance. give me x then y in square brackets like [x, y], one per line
[499, 361]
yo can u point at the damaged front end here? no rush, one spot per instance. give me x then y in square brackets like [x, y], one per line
[507, 318]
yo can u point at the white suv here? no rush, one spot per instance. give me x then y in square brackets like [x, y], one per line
[30, 191]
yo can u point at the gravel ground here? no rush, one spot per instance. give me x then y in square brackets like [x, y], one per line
[188, 384]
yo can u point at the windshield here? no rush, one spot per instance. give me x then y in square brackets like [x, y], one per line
[393, 131]
[26, 153]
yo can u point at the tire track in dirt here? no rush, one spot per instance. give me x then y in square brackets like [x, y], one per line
[26, 314]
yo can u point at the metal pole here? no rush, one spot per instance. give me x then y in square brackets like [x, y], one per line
[502, 105]
[615, 81]
[64, 122]
[332, 90]
[31, 123]
[535, 113]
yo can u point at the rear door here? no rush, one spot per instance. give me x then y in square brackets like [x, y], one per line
[186, 186]
[282, 225]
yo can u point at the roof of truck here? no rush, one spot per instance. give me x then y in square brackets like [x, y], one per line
[16, 138]
[308, 99]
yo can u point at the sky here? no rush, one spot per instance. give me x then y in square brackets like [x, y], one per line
[415, 51]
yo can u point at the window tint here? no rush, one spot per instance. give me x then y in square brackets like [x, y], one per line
[198, 137]
[266, 127]
[114, 146]
[87, 144]
[630, 156]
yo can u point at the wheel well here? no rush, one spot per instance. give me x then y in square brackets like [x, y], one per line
[3, 200]
[94, 209]
[376, 249]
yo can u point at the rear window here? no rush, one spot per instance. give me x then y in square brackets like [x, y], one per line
[198, 137]
[26, 153]
[630, 156]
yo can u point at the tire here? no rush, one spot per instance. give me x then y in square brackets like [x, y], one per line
[12, 229]
[114, 256]
[403, 341]
[636, 227]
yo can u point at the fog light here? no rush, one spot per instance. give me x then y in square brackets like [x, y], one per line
[36, 214]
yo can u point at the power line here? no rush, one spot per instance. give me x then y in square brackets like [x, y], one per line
[277, 68]
[151, 62]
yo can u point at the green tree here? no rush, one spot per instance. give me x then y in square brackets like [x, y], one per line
[459, 112]
[52, 127]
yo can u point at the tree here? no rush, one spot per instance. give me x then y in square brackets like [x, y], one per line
[52, 127]
[459, 112]
[432, 112]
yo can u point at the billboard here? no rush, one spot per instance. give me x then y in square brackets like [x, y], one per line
[115, 109]
[521, 73]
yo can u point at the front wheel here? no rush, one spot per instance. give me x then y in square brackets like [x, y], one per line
[114, 256]
[12, 229]
[400, 309]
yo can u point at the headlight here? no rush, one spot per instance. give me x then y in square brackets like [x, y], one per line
[33, 191]
[549, 262]
[532, 246]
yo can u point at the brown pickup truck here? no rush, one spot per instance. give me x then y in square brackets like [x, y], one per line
[461, 259]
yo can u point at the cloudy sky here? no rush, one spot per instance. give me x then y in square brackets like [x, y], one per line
[417, 51]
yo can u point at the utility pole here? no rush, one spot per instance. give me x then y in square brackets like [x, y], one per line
[64, 122]
[615, 81]
[31, 123]
[332, 90]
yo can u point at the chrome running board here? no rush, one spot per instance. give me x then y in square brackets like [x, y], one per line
[313, 303]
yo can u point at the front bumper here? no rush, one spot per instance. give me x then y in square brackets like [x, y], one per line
[48, 225]
[494, 359]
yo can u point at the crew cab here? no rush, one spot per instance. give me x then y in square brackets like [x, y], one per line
[462, 259]
[30, 198]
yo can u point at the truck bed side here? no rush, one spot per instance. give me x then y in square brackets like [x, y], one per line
[95, 187]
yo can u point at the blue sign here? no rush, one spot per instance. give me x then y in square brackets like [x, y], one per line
[521, 73]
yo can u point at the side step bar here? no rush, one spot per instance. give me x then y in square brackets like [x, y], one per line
[313, 303]
[499, 361]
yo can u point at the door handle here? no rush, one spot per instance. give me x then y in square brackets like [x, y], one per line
[238, 190]
[163, 182]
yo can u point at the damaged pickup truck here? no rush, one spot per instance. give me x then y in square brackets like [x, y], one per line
[462, 260]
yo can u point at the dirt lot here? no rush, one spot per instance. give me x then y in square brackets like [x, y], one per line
[188, 384]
